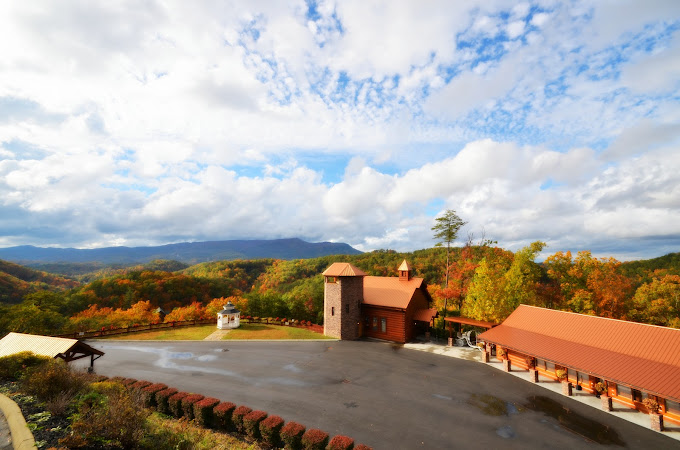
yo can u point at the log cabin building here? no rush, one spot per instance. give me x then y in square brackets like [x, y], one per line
[390, 308]
[632, 361]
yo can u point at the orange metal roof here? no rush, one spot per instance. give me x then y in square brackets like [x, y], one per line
[473, 322]
[425, 315]
[646, 357]
[343, 270]
[404, 266]
[390, 291]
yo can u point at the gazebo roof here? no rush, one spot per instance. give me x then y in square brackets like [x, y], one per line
[229, 308]
[68, 349]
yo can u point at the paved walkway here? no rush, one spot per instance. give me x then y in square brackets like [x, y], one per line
[5, 438]
[217, 335]
[621, 411]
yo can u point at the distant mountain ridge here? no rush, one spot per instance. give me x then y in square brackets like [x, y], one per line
[187, 252]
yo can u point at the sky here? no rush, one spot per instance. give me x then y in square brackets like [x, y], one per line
[152, 122]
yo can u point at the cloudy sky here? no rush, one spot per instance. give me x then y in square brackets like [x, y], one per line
[144, 123]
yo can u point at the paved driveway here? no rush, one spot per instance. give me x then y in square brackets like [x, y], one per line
[380, 394]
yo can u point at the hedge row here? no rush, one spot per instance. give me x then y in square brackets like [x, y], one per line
[226, 416]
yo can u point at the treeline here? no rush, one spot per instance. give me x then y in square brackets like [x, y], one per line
[485, 282]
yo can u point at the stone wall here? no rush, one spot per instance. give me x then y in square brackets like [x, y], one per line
[342, 307]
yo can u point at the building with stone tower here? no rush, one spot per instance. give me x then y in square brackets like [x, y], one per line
[390, 308]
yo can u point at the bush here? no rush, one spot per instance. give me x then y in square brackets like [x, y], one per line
[651, 404]
[270, 430]
[314, 439]
[223, 415]
[149, 394]
[127, 382]
[139, 385]
[13, 366]
[363, 447]
[237, 418]
[341, 443]
[251, 423]
[107, 417]
[203, 412]
[188, 405]
[175, 404]
[162, 397]
[291, 435]
[53, 379]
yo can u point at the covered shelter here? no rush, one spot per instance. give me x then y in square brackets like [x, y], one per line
[627, 361]
[53, 347]
[458, 321]
[229, 317]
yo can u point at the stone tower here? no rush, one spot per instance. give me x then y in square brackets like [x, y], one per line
[342, 297]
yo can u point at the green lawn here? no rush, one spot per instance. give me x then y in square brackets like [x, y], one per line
[264, 331]
[245, 331]
[171, 334]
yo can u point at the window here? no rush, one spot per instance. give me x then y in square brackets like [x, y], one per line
[540, 363]
[673, 407]
[347, 308]
[332, 310]
[572, 375]
[624, 391]
[550, 367]
[383, 325]
[331, 280]
[375, 324]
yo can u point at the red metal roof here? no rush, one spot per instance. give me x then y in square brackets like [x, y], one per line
[473, 322]
[646, 357]
[343, 270]
[390, 291]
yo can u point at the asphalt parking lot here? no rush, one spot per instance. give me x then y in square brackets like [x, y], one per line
[380, 394]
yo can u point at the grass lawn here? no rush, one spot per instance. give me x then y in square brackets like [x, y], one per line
[171, 334]
[263, 331]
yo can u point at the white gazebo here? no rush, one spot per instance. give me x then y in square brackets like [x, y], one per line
[229, 317]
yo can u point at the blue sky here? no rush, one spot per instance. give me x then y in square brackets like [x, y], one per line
[140, 124]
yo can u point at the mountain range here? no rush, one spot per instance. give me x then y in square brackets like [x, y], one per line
[187, 252]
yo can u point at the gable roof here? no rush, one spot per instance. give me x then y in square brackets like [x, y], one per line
[43, 345]
[343, 270]
[642, 356]
[390, 291]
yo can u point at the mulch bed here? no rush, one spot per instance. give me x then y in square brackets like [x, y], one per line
[46, 428]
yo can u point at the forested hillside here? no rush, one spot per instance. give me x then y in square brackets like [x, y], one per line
[16, 281]
[485, 282]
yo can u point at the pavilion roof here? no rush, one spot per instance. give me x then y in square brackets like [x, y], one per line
[638, 355]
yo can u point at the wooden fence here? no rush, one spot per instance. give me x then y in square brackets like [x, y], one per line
[187, 323]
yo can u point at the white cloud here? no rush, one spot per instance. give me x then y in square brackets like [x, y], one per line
[156, 122]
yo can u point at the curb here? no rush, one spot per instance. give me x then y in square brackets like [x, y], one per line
[22, 438]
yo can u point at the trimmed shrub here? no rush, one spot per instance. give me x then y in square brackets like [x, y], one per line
[127, 382]
[13, 366]
[162, 397]
[363, 447]
[139, 385]
[188, 405]
[237, 418]
[314, 439]
[175, 403]
[149, 394]
[291, 435]
[203, 412]
[270, 430]
[223, 415]
[341, 443]
[251, 423]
